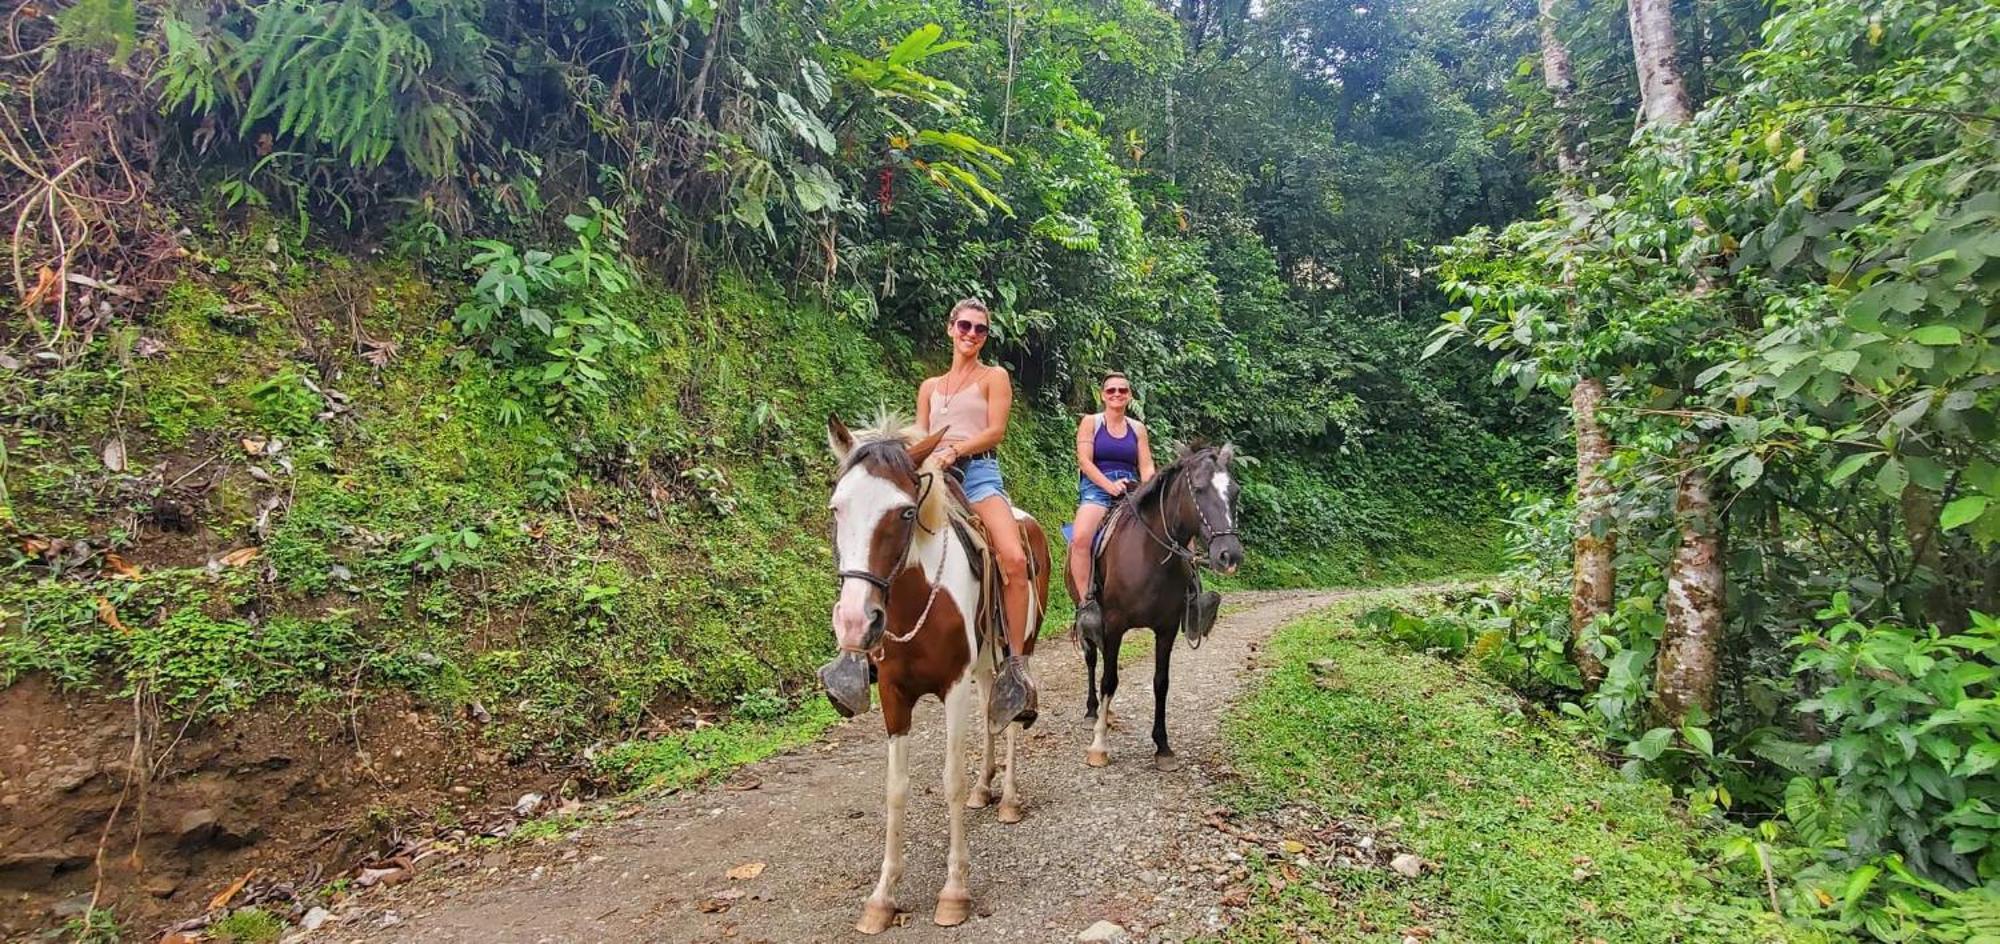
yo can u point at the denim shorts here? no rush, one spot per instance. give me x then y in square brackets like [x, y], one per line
[1087, 492]
[982, 480]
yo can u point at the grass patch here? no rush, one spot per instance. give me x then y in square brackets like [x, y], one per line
[1530, 836]
[248, 926]
[682, 760]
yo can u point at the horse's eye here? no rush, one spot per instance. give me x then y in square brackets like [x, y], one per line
[910, 512]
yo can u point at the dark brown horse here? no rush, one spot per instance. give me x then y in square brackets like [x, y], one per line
[1147, 576]
[918, 603]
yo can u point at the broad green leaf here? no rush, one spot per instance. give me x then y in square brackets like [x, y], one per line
[1652, 744]
[1851, 465]
[1747, 471]
[1962, 511]
[1937, 335]
[1891, 478]
[1701, 739]
[1787, 250]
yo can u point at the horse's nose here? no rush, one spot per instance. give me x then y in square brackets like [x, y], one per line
[1227, 559]
[877, 622]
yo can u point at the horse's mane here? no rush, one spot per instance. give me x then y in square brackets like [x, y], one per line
[886, 439]
[1156, 487]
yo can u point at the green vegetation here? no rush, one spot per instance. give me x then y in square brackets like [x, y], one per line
[758, 729]
[499, 379]
[1527, 836]
[1785, 303]
[247, 926]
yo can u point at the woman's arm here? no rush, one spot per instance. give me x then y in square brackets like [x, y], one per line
[924, 404]
[1086, 455]
[999, 402]
[1145, 452]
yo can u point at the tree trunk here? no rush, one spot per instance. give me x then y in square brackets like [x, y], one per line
[1662, 92]
[1687, 659]
[1596, 576]
[1934, 605]
[1560, 79]
[1684, 678]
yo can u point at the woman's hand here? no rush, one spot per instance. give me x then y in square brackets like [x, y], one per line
[946, 455]
[1119, 487]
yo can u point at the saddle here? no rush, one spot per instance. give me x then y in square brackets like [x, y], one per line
[973, 539]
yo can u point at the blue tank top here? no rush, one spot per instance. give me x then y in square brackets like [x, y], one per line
[1114, 454]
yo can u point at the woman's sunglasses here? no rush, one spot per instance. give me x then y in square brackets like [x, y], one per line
[1117, 391]
[974, 328]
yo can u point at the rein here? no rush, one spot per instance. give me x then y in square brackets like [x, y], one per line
[1193, 560]
[925, 481]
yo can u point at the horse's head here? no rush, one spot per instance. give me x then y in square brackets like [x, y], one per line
[1211, 490]
[881, 496]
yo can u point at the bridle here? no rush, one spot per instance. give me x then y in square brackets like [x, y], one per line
[1192, 560]
[1208, 532]
[913, 514]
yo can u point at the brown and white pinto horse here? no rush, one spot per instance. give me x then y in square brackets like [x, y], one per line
[916, 599]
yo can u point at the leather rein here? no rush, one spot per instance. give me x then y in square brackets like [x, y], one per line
[925, 481]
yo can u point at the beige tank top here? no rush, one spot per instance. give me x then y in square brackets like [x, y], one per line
[960, 414]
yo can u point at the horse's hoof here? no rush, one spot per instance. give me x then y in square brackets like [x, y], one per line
[978, 798]
[1097, 758]
[1010, 812]
[1166, 763]
[876, 917]
[952, 910]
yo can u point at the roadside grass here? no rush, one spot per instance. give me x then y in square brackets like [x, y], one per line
[1526, 834]
[679, 760]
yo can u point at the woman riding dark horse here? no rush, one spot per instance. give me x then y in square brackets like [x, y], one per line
[1147, 575]
[1114, 455]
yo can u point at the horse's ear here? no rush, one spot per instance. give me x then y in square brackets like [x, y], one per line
[838, 438]
[922, 448]
[1226, 453]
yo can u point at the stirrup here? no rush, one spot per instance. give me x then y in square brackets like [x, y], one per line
[846, 682]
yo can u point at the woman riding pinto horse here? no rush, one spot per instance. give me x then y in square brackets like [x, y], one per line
[917, 596]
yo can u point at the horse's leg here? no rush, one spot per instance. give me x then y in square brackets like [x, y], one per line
[1163, 655]
[1100, 751]
[954, 903]
[982, 789]
[1090, 679]
[1010, 801]
[880, 911]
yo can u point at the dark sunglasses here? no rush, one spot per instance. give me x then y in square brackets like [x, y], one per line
[1124, 390]
[974, 328]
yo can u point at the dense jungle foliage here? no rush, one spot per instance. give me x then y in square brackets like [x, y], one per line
[479, 348]
[482, 349]
[1782, 303]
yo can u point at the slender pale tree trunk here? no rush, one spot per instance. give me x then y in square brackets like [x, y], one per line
[1595, 575]
[1662, 93]
[1691, 645]
[1560, 79]
[1687, 659]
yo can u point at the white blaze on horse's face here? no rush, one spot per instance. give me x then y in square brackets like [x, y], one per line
[860, 503]
[1222, 488]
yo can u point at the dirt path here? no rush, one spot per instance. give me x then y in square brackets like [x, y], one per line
[1123, 843]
